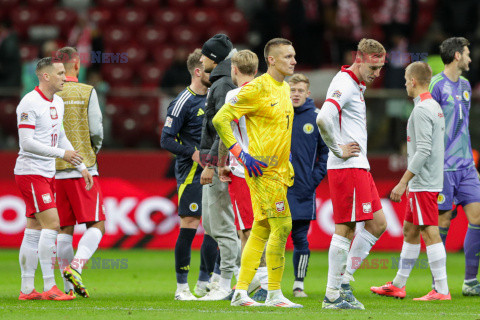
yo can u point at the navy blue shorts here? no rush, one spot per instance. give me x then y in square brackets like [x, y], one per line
[190, 200]
[460, 187]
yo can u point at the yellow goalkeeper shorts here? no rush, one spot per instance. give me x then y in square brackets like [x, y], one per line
[269, 198]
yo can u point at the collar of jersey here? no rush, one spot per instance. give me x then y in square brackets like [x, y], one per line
[41, 94]
[71, 79]
[352, 75]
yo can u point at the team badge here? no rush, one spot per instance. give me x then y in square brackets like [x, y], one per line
[308, 128]
[280, 206]
[233, 100]
[367, 207]
[53, 113]
[46, 198]
[168, 122]
[466, 95]
[337, 94]
[193, 207]
[441, 198]
[24, 116]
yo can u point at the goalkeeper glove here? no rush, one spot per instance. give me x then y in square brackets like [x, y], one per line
[250, 163]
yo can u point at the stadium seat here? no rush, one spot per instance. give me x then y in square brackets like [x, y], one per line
[236, 35]
[167, 17]
[63, 18]
[150, 75]
[151, 36]
[136, 54]
[131, 17]
[7, 4]
[146, 4]
[41, 4]
[118, 75]
[111, 3]
[218, 4]
[28, 52]
[236, 19]
[186, 35]
[100, 16]
[182, 4]
[201, 18]
[24, 17]
[116, 35]
[163, 55]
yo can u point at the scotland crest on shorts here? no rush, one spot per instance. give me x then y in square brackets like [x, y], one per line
[193, 207]
[441, 198]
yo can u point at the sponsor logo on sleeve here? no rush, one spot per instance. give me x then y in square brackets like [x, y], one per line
[367, 207]
[24, 117]
[280, 206]
[337, 94]
[233, 100]
[46, 198]
[168, 122]
[466, 95]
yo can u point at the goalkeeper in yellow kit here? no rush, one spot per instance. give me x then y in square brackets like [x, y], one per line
[265, 103]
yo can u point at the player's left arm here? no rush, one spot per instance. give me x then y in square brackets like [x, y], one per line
[424, 138]
[95, 122]
[243, 103]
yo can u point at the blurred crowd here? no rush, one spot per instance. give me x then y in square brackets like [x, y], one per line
[324, 33]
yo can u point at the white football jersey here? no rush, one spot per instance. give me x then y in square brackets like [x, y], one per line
[45, 117]
[346, 94]
[239, 128]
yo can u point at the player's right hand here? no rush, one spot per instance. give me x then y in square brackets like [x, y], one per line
[196, 157]
[351, 149]
[88, 179]
[73, 157]
[224, 174]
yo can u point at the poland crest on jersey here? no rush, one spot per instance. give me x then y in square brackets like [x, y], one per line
[53, 113]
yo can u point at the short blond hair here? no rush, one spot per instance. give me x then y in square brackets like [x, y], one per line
[246, 61]
[370, 50]
[420, 71]
[299, 77]
[193, 61]
[276, 42]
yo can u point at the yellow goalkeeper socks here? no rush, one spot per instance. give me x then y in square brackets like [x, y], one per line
[252, 253]
[280, 229]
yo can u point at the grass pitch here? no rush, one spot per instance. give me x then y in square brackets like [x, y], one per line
[142, 286]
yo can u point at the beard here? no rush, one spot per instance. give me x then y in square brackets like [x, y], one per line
[206, 83]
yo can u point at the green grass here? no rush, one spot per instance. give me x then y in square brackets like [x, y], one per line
[145, 290]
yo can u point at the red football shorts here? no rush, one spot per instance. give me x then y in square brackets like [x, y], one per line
[38, 193]
[422, 208]
[354, 195]
[241, 202]
[76, 204]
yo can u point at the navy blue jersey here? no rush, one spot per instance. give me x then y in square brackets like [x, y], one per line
[309, 159]
[184, 123]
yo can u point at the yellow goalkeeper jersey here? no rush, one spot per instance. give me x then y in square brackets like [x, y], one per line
[268, 112]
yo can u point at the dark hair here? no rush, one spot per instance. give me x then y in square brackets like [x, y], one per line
[449, 47]
[43, 63]
[274, 43]
[66, 55]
